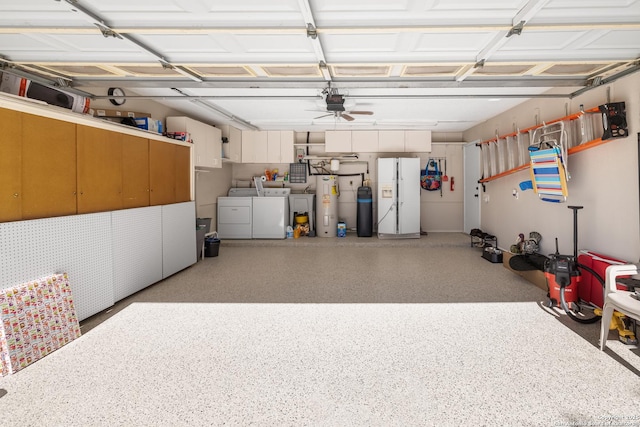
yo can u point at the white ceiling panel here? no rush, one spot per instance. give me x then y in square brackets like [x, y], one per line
[341, 44]
[467, 43]
[274, 43]
[434, 64]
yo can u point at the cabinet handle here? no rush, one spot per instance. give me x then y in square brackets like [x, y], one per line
[15, 194]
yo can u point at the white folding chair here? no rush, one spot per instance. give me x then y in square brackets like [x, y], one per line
[615, 299]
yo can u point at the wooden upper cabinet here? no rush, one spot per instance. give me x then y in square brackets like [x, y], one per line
[182, 173]
[162, 173]
[135, 171]
[99, 170]
[51, 168]
[48, 167]
[10, 165]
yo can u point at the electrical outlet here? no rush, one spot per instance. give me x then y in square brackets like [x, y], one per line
[300, 154]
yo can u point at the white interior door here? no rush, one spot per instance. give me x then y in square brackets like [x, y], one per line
[471, 160]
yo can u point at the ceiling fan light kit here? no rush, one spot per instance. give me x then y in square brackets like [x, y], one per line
[335, 106]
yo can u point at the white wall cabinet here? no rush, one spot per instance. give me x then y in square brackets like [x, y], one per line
[391, 141]
[337, 141]
[365, 141]
[287, 153]
[232, 149]
[207, 140]
[247, 149]
[267, 146]
[373, 141]
[417, 141]
[273, 146]
[254, 146]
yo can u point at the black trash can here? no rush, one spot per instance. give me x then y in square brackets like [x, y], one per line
[203, 226]
[365, 212]
[211, 246]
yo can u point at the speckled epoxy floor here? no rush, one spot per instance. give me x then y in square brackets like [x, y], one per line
[382, 334]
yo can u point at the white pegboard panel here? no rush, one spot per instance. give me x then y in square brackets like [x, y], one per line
[137, 249]
[79, 245]
[178, 237]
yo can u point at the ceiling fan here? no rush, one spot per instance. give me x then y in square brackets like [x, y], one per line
[335, 106]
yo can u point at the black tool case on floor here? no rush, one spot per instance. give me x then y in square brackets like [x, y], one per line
[492, 254]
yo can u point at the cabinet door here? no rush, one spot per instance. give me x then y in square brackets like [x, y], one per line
[417, 141]
[235, 145]
[162, 173]
[337, 141]
[201, 141]
[99, 170]
[10, 165]
[215, 144]
[364, 141]
[261, 147]
[273, 146]
[391, 141]
[135, 171]
[286, 146]
[248, 146]
[48, 167]
[182, 166]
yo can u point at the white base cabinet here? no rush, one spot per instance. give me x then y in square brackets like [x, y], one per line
[108, 255]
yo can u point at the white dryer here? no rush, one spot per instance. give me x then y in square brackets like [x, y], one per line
[235, 213]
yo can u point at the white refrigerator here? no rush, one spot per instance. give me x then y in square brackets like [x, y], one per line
[398, 198]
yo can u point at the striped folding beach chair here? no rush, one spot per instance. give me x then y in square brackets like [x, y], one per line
[548, 174]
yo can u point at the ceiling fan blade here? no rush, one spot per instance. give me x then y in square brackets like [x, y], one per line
[368, 113]
[324, 115]
[347, 117]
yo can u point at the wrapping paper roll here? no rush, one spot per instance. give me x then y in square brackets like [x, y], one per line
[263, 178]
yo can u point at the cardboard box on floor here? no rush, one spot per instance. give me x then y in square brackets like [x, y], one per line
[536, 277]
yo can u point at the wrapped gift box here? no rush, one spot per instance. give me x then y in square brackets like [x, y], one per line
[37, 318]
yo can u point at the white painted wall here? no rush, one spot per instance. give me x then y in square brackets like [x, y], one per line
[604, 181]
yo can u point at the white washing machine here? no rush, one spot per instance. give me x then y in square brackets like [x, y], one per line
[271, 214]
[235, 214]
